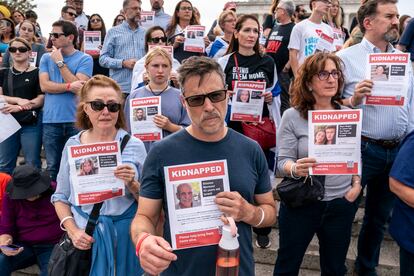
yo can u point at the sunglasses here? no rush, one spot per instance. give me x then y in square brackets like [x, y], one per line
[20, 49]
[96, 20]
[214, 97]
[71, 14]
[324, 75]
[99, 106]
[56, 35]
[157, 39]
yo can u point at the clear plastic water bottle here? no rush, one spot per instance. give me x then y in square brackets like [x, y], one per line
[228, 255]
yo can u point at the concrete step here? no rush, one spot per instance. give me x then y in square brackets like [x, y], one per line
[388, 264]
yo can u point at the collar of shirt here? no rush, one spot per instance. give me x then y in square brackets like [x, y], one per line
[126, 26]
[374, 49]
[159, 12]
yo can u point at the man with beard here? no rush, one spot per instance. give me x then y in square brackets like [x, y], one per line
[161, 18]
[124, 45]
[383, 127]
[300, 13]
[249, 201]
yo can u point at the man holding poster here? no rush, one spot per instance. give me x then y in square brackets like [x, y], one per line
[383, 127]
[205, 149]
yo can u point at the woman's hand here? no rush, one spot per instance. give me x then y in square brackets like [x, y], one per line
[268, 97]
[174, 79]
[178, 40]
[22, 102]
[9, 252]
[11, 108]
[206, 41]
[126, 173]
[162, 122]
[145, 77]
[301, 167]
[80, 239]
[356, 189]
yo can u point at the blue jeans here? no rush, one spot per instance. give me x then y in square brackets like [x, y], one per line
[332, 223]
[54, 140]
[376, 164]
[406, 263]
[35, 254]
[29, 139]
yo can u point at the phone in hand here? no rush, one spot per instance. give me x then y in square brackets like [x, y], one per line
[10, 247]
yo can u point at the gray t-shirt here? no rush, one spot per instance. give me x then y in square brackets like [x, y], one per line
[292, 143]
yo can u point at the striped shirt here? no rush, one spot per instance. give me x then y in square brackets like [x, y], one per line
[122, 43]
[378, 122]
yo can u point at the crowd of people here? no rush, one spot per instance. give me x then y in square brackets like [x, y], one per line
[64, 96]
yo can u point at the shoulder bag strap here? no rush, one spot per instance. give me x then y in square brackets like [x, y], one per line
[93, 217]
[10, 82]
[236, 62]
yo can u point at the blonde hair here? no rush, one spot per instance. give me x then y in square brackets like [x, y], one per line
[337, 20]
[82, 119]
[21, 40]
[218, 29]
[158, 51]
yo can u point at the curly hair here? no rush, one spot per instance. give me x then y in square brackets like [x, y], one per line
[302, 97]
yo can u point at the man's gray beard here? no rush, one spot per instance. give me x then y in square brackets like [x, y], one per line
[391, 36]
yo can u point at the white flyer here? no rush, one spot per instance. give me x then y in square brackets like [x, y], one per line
[389, 72]
[169, 49]
[9, 125]
[147, 19]
[92, 42]
[141, 117]
[92, 169]
[194, 39]
[191, 189]
[33, 59]
[247, 103]
[335, 141]
[325, 43]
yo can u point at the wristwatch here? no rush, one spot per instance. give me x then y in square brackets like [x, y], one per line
[60, 63]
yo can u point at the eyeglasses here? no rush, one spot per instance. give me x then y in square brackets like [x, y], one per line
[96, 20]
[230, 20]
[157, 39]
[99, 106]
[27, 29]
[186, 8]
[56, 35]
[20, 49]
[324, 75]
[214, 97]
[71, 14]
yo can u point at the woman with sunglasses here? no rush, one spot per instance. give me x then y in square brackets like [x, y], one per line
[21, 90]
[318, 86]
[27, 31]
[158, 65]
[154, 36]
[225, 25]
[101, 117]
[6, 33]
[183, 16]
[118, 20]
[96, 23]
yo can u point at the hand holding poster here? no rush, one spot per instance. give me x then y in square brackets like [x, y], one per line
[147, 19]
[143, 111]
[194, 39]
[335, 141]
[389, 72]
[191, 190]
[92, 42]
[247, 103]
[92, 169]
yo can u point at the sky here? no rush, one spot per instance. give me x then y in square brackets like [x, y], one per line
[49, 10]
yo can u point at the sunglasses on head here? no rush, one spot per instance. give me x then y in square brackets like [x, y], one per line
[214, 97]
[99, 106]
[56, 35]
[71, 14]
[21, 49]
[158, 39]
[95, 20]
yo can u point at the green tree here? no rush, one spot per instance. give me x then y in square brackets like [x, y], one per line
[20, 5]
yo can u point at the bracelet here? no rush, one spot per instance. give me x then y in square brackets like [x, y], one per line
[350, 102]
[68, 86]
[293, 172]
[139, 243]
[262, 218]
[63, 220]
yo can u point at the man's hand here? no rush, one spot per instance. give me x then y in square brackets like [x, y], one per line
[76, 86]
[129, 63]
[56, 54]
[232, 204]
[362, 89]
[155, 255]
[162, 122]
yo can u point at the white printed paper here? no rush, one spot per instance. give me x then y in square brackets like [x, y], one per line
[194, 39]
[142, 113]
[92, 169]
[335, 141]
[92, 42]
[169, 49]
[247, 102]
[191, 190]
[147, 19]
[325, 43]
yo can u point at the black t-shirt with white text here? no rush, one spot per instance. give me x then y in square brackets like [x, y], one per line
[277, 44]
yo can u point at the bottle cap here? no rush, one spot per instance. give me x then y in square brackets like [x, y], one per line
[228, 241]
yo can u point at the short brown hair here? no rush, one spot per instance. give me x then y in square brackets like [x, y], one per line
[82, 119]
[368, 9]
[302, 97]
